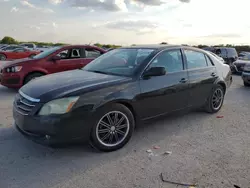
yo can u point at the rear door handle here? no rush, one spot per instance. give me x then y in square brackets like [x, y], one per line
[213, 74]
[183, 80]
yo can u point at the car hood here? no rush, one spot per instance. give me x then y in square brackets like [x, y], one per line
[65, 83]
[17, 62]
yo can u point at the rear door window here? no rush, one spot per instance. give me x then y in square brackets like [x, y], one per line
[195, 59]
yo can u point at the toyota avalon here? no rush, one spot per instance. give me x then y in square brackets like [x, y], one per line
[103, 102]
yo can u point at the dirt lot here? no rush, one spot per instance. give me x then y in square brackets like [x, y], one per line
[206, 150]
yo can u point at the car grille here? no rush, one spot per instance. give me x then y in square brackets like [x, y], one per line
[24, 104]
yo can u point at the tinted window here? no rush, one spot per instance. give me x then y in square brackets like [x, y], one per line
[232, 52]
[171, 60]
[92, 53]
[122, 61]
[195, 59]
[70, 54]
[19, 50]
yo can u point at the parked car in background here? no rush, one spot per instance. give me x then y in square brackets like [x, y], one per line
[10, 48]
[238, 66]
[17, 53]
[228, 54]
[43, 48]
[245, 56]
[3, 46]
[29, 46]
[16, 73]
[218, 57]
[242, 54]
[246, 75]
[103, 102]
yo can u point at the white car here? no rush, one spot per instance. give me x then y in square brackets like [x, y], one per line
[216, 56]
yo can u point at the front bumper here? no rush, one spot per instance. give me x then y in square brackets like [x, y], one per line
[237, 68]
[11, 80]
[56, 129]
[246, 77]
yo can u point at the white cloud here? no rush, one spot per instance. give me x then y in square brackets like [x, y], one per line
[28, 4]
[35, 27]
[54, 25]
[14, 9]
[32, 6]
[55, 2]
[113, 5]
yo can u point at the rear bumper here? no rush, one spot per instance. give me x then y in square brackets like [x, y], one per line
[11, 80]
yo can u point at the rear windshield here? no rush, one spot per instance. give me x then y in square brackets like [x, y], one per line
[232, 51]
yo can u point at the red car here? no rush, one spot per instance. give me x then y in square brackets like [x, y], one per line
[14, 74]
[18, 53]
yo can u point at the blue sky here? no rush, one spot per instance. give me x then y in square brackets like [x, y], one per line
[127, 22]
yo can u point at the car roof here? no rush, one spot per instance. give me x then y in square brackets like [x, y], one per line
[80, 45]
[162, 47]
[154, 46]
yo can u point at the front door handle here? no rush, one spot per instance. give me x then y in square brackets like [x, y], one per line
[213, 74]
[183, 80]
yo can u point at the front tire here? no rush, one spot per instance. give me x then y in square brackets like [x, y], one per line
[32, 77]
[32, 55]
[215, 100]
[246, 84]
[3, 57]
[113, 127]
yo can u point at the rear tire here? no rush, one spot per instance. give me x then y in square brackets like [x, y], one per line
[215, 100]
[3, 57]
[246, 84]
[113, 127]
[32, 77]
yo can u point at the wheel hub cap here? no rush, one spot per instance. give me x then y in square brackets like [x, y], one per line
[112, 128]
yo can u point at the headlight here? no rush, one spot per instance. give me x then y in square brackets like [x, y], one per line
[58, 106]
[14, 69]
[247, 68]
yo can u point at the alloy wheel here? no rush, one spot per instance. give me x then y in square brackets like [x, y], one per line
[2, 57]
[217, 99]
[112, 129]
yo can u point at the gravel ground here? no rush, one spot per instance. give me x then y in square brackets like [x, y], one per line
[207, 151]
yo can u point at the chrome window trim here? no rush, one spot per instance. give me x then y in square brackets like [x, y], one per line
[28, 97]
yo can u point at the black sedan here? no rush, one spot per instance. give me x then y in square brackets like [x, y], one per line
[102, 102]
[238, 66]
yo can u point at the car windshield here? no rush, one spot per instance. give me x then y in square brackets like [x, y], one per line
[46, 53]
[123, 61]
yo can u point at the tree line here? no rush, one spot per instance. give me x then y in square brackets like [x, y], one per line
[10, 40]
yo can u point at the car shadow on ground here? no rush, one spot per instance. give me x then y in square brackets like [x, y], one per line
[18, 152]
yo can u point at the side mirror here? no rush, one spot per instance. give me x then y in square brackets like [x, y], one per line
[154, 71]
[55, 58]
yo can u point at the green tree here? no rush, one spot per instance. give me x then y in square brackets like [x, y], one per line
[8, 40]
